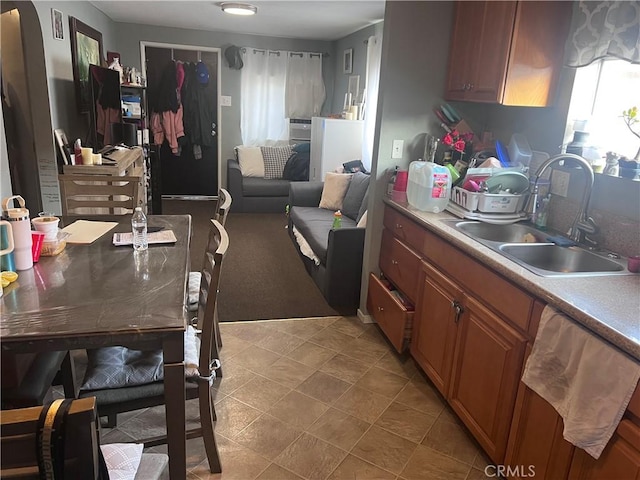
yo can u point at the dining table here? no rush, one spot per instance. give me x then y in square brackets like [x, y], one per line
[97, 295]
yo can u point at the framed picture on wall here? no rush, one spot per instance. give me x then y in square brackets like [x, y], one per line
[86, 49]
[56, 24]
[347, 61]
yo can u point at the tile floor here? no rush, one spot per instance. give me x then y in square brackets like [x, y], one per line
[321, 398]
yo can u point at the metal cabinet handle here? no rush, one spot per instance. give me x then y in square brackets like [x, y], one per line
[394, 262]
[458, 308]
[471, 86]
[380, 309]
[398, 226]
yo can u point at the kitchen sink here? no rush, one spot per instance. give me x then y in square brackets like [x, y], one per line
[550, 257]
[511, 233]
[528, 247]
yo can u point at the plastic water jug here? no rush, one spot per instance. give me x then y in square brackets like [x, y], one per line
[429, 186]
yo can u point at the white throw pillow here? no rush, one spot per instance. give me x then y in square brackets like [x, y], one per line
[334, 189]
[251, 161]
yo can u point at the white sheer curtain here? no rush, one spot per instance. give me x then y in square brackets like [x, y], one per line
[262, 89]
[372, 79]
[305, 92]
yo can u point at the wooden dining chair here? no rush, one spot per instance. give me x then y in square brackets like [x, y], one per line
[122, 379]
[74, 450]
[222, 211]
[111, 194]
[223, 206]
[27, 378]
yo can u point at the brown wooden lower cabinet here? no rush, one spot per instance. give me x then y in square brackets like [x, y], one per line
[620, 460]
[433, 336]
[470, 332]
[472, 356]
[485, 376]
[536, 438]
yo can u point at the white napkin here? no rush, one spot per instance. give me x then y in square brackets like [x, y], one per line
[584, 378]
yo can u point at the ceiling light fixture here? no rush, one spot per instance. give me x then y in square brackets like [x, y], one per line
[239, 8]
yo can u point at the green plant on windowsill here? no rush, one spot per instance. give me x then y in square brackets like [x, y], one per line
[630, 118]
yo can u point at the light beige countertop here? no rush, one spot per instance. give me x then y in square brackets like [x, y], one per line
[609, 306]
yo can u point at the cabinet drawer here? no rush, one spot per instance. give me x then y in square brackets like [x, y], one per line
[404, 229]
[400, 265]
[391, 315]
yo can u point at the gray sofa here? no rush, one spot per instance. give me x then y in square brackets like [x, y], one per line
[339, 250]
[253, 194]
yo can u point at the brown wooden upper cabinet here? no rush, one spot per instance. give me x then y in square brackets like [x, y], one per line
[507, 52]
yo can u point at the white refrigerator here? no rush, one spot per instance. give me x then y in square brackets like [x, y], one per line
[334, 141]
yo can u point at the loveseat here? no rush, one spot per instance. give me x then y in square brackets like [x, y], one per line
[258, 186]
[336, 266]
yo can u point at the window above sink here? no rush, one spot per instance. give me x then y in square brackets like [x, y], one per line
[601, 92]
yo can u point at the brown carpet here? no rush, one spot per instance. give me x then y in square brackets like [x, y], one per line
[262, 276]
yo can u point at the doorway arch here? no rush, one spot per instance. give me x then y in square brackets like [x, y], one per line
[42, 183]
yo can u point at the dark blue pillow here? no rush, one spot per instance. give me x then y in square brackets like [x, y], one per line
[302, 147]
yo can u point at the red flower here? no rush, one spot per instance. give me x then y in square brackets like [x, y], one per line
[447, 139]
[459, 146]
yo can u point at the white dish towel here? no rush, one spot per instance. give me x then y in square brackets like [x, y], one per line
[585, 379]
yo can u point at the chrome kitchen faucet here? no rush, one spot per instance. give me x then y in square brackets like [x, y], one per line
[583, 224]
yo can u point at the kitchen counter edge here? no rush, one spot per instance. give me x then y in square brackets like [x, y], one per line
[609, 306]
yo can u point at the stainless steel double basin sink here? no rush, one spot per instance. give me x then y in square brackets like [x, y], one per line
[531, 249]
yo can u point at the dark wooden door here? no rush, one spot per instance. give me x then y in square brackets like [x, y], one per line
[183, 174]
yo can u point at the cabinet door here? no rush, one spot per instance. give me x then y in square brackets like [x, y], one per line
[620, 460]
[479, 50]
[492, 49]
[461, 53]
[485, 376]
[434, 326]
[536, 437]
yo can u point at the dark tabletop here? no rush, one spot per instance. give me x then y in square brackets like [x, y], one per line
[99, 290]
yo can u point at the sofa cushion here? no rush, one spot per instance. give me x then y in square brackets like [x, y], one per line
[261, 187]
[275, 158]
[251, 161]
[314, 224]
[355, 194]
[334, 189]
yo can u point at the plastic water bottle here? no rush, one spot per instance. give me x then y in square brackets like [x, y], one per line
[337, 220]
[139, 229]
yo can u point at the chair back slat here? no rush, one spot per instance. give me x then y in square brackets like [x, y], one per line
[223, 207]
[19, 436]
[112, 194]
[217, 246]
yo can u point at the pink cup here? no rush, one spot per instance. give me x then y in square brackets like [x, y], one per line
[402, 177]
[36, 245]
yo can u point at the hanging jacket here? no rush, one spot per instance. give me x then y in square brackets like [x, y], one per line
[168, 125]
[199, 108]
[166, 95]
